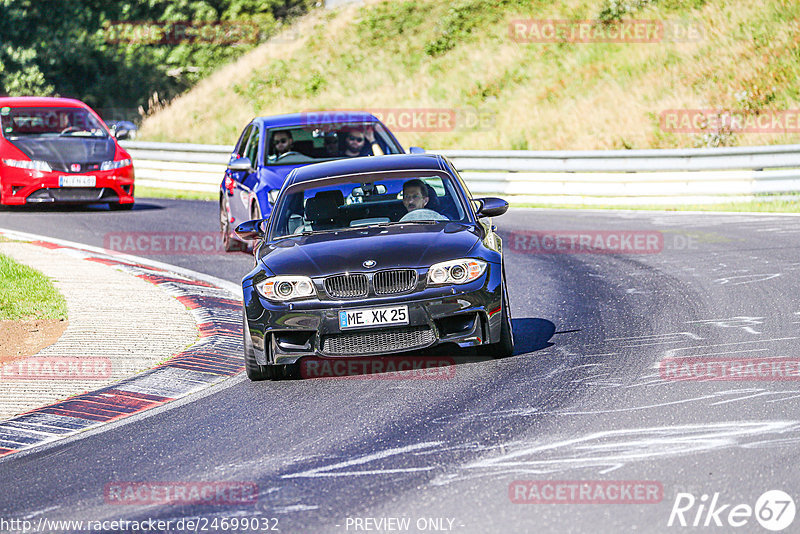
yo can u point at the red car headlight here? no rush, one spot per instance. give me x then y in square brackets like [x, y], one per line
[28, 164]
[111, 165]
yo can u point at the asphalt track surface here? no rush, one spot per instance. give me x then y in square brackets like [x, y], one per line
[582, 399]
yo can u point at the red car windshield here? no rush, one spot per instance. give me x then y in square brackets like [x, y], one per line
[48, 121]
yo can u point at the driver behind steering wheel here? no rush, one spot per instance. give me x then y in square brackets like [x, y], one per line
[415, 199]
[283, 142]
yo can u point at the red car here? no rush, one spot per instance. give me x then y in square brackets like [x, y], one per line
[60, 150]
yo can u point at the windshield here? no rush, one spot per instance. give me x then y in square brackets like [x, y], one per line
[47, 121]
[368, 200]
[322, 142]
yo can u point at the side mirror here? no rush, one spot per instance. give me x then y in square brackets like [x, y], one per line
[251, 230]
[241, 164]
[416, 150]
[491, 207]
[121, 134]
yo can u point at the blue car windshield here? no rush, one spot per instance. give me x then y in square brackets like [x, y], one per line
[50, 121]
[322, 142]
[357, 201]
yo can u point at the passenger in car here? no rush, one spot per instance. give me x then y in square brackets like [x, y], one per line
[361, 142]
[354, 144]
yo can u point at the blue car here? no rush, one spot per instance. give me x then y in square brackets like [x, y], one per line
[271, 147]
[374, 257]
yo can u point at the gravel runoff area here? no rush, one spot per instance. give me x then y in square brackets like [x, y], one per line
[119, 325]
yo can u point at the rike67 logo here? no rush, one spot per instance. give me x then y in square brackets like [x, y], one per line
[774, 510]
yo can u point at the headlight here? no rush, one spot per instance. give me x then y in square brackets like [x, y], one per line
[111, 165]
[283, 288]
[27, 164]
[455, 271]
[272, 196]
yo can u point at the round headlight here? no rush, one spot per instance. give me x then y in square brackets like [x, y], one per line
[438, 275]
[283, 289]
[458, 273]
[304, 287]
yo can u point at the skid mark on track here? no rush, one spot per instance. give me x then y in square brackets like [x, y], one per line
[699, 350]
[740, 321]
[604, 451]
[745, 279]
[610, 450]
[342, 468]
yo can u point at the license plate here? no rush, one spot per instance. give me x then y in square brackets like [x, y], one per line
[77, 181]
[373, 316]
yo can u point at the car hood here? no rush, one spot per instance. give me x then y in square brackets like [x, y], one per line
[274, 176]
[409, 245]
[62, 151]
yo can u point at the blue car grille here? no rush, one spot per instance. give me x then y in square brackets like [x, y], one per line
[388, 282]
[344, 286]
[378, 341]
[394, 281]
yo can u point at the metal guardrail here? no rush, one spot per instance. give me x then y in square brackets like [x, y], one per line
[593, 176]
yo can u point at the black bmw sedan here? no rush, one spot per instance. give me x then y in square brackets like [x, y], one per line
[374, 257]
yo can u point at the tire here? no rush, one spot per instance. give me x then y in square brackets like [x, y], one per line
[255, 371]
[504, 347]
[225, 227]
[116, 206]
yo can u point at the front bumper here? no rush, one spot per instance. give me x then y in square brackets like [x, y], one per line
[466, 316]
[22, 186]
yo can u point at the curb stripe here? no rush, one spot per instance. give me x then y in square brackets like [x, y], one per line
[214, 357]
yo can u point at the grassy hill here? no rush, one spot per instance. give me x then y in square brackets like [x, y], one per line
[459, 55]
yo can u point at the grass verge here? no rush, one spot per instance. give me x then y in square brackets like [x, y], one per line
[25, 293]
[785, 204]
[156, 192]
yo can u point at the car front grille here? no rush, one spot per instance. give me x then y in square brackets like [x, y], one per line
[72, 194]
[344, 286]
[61, 166]
[394, 281]
[376, 341]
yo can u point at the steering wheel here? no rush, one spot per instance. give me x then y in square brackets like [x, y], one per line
[423, 214]
[290, 153]
[69, 129]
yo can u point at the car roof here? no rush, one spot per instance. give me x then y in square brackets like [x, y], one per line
[39, 101]
[315, 117]
[367, 164]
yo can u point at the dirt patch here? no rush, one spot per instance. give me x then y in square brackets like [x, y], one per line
[19, 339]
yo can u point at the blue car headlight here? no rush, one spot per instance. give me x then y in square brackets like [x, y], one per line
[283, 288]
[456, 271]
